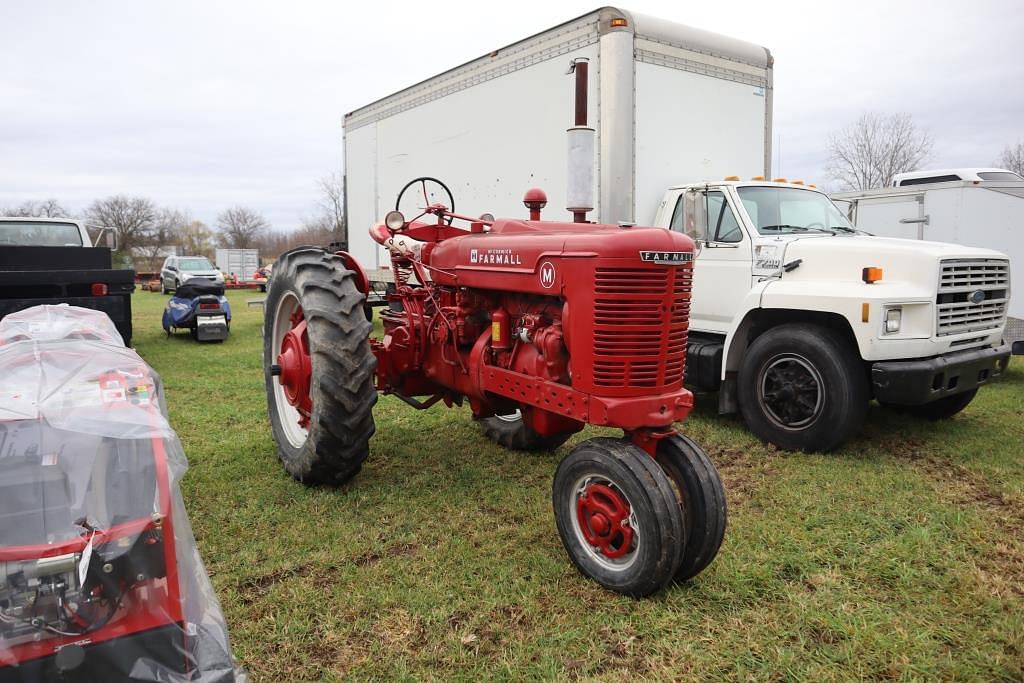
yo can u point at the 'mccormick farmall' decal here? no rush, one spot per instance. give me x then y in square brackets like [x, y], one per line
[502, 257]
[666, 258]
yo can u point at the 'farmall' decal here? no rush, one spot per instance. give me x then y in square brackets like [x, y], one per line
[497, 257]
[666, 258]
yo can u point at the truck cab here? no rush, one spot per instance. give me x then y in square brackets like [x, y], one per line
[799, 319]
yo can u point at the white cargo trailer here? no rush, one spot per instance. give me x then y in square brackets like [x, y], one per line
[962, 206]
[242, 263]
[668, 103]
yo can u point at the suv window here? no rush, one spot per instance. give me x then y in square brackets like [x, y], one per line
[999, 175]
[930, 179]
[720, 216]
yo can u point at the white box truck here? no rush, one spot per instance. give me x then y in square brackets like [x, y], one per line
[978, 207]
[796, 318]
[668, 102]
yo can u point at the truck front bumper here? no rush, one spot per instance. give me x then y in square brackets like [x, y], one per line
[916, 382]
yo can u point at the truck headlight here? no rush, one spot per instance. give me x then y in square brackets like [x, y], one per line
[893, 319]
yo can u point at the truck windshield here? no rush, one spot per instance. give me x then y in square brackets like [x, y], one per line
[788, 210]
[40, 234]
[194, 264]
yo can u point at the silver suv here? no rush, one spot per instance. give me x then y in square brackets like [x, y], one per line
[178, 269]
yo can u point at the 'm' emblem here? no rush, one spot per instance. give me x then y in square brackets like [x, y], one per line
[547, 275]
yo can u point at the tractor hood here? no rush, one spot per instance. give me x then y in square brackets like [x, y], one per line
[521, 248]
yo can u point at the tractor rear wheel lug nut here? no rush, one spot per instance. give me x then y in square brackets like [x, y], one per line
[275, 370]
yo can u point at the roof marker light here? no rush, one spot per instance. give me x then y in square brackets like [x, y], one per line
[732, 177]
[618, 22]
[779, 180]
[757, 177]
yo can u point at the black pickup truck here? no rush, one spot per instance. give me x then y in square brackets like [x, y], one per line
[50, 261]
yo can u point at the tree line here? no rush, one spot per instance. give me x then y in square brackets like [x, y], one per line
[868, 153]
[145, 230]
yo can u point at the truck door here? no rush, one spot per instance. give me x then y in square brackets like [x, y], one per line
[721, 274]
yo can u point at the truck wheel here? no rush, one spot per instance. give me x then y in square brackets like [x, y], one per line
[163, 287]
[319, 368]
[701, 501]
[944, 407]
[511, 431]
[802, 387]
[618, 516]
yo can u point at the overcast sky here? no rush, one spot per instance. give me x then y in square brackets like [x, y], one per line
[204, 105]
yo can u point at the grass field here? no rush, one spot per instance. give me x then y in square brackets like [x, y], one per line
[899, 557]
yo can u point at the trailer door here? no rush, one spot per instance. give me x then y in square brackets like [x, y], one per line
[901, 216]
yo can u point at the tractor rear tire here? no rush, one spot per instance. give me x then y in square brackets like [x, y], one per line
[701, 499]
[802, 387]
[511, 431]
[336, 441]
[636, 553]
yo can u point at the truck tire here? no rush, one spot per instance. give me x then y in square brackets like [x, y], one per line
[511, 431]
[312, 286]
[701, 499]
[618, 516]
[944, 407]
[802, 387]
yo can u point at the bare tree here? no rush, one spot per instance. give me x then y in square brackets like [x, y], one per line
[132, 218]
[197, 239]
[166, 232]
[870, 152]
[332, 204]
[240, 227]
[1012, 159]
[48, 208]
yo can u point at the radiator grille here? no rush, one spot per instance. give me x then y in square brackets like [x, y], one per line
[959, 306]
[640, 324]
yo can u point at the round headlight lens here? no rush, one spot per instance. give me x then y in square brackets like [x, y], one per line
[394, 220]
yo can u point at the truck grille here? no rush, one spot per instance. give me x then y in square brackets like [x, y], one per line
[641, 320]
[973, 294]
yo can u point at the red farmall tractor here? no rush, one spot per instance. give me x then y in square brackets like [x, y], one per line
[542, 327]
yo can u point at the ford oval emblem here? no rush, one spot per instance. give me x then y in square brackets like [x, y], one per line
[976, 297]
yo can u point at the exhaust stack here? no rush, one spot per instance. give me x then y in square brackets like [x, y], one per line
[579, 195]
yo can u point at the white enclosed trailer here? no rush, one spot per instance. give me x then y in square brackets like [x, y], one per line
[668, 102]
[242, 263]
[973, 212]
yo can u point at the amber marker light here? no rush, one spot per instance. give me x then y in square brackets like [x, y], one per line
[871, 274]
[865, 311]
[618, 22]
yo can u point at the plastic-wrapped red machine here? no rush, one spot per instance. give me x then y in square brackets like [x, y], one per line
[100, 577]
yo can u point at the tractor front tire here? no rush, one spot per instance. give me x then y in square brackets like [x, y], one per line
[803, 387]
[511, 431]
[701, 500]
[618, 516]
[313, 285]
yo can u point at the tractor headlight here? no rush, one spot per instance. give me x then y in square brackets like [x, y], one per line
[893, 319]
[394, 220]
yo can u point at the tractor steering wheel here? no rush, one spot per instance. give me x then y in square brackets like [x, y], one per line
[430, 195]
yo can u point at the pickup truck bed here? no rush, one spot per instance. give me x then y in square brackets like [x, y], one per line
[30, 276]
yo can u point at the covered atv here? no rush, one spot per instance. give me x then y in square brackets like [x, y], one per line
[100, 578]
[200, 307]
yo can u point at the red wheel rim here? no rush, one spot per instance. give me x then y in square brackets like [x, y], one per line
[603, 516]
[297, 367]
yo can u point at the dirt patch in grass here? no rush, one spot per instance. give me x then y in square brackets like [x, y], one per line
[1001, 569]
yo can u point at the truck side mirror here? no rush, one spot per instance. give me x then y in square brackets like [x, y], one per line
[107, 238]
[695, 216]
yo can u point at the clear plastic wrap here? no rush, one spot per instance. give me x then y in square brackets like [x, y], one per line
[100, 577]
